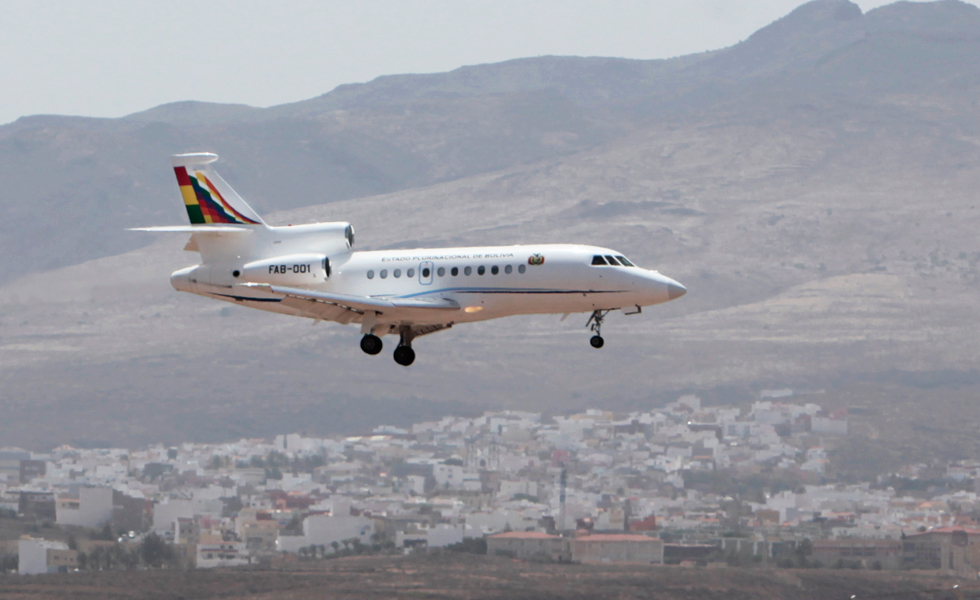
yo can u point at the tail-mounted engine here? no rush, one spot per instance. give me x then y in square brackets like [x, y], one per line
[294, 269]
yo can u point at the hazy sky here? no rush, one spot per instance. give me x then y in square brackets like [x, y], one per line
[109, 58]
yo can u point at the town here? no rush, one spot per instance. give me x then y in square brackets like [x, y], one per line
[681, 484]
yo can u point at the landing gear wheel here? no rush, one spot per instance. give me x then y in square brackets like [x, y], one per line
[371, 344]
[404, 355]
[595, 324]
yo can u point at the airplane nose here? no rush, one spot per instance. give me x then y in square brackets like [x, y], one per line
[675, 290]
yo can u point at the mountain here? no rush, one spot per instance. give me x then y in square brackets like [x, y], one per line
[814, 186]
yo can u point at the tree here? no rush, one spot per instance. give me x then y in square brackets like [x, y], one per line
[803, 550]
[335, 545]
[469, 545]
[9, 562]
[155, 551]
[358, 546]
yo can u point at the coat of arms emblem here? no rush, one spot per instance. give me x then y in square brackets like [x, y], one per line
[536, 259]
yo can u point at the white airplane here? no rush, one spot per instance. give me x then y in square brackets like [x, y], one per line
[311, 271]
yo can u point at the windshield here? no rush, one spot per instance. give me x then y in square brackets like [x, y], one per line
[625, 261]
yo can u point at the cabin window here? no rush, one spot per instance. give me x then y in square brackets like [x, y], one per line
[508, 269]
[495, 269]
[598, 260]
[468, 271]
[625, 261]
[455, 271]
[371, 274]
[441, 272]
[384, 273]
[612, 261]
[411, 273]
[521, 269]
[426, 272]
[397, 273]
[481, 270]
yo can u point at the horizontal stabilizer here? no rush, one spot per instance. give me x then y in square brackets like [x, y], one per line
[196, 229]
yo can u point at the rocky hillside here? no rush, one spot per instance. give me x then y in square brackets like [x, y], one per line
[815, 187]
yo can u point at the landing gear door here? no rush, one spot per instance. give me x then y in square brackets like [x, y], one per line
[425, 272]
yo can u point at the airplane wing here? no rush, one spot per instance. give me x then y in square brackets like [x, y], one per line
[343, 308]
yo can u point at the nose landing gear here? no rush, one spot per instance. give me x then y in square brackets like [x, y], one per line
[595, 324]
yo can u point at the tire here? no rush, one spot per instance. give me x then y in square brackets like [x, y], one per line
[404, 355]
[371, 344]
[596, 341]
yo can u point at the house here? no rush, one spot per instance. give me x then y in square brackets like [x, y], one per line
[443, 535]
[36, 556]
[325, 530]
[528, 544]
[954, 550]
[215, 551]
[92, 508]
[618, 548]
[36, 505]
[871, 553]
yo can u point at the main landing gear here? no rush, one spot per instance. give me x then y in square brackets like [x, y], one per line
[595, 324]
[404, 355]
[371, 344]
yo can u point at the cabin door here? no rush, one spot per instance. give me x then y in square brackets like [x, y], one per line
[425, 272]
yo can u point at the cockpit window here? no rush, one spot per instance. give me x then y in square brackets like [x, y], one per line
[625, 261]
[612, 261]
[598, 260]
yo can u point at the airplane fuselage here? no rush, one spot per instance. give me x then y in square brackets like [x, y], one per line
[486, 282]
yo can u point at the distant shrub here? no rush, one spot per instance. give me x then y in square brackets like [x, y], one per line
[470, 546]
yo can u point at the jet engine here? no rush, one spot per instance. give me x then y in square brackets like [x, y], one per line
[293, 269]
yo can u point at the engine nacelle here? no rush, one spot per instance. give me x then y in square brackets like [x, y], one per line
[293, 269]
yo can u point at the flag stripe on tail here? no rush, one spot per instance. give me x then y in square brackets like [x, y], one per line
[205, 204]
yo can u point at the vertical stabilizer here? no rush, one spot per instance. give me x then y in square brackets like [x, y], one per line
[207, 197]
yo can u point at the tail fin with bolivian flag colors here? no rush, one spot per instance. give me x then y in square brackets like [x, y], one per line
[207, 197]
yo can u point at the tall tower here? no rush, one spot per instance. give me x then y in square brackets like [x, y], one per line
[561, 499]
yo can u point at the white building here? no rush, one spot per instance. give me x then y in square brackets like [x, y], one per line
[443, 535]
[165, 514]
[213, 551]
[324, 530]
[92, 508]
[36, 556]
